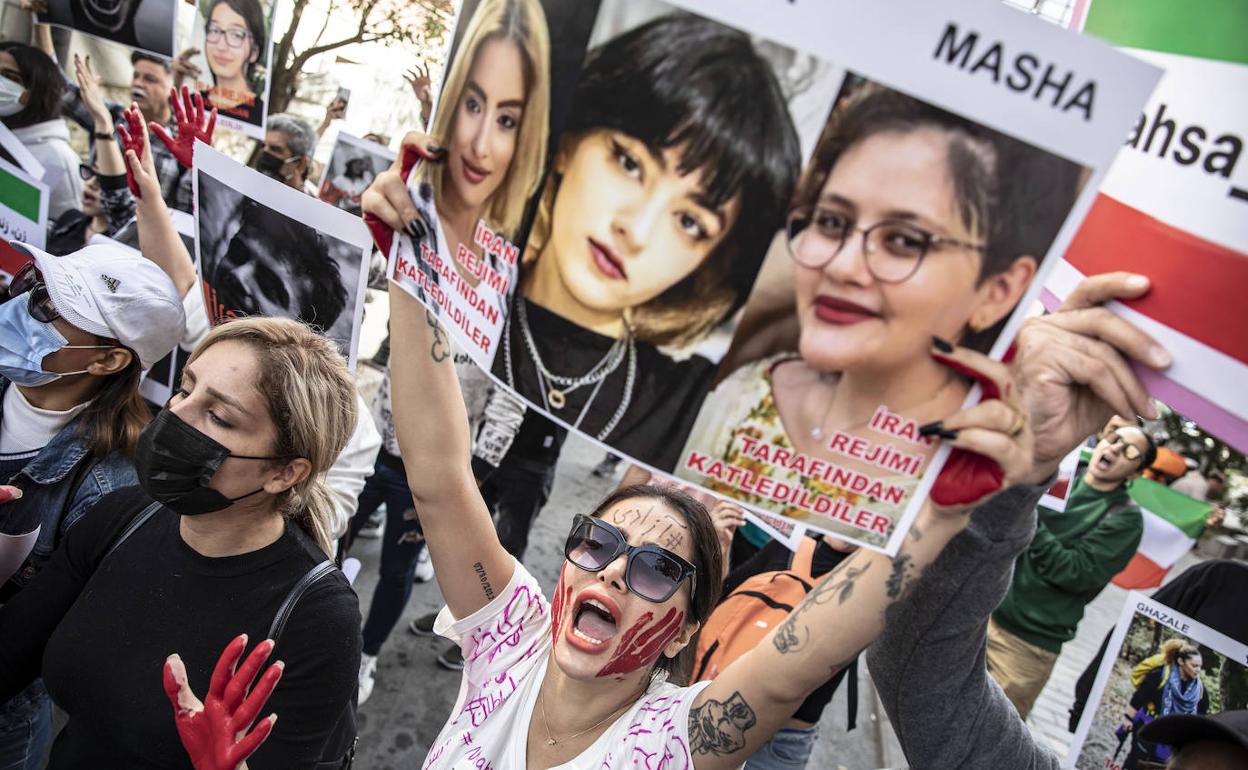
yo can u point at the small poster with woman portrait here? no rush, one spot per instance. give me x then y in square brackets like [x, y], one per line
[504, 93]
[236, 45]
[1159, 663]
[146, 25]
[263, 248]
[352, 166]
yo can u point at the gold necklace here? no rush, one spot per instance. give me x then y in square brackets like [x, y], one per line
[551, 740]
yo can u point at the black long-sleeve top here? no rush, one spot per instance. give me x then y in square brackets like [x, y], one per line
[99, 636]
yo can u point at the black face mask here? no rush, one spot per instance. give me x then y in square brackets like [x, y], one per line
[271, 165]
[176, 463]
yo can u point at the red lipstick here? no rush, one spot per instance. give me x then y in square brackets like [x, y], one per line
[607, 262]
[839, 311]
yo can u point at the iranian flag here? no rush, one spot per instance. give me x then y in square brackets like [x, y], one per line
[1172, 522]
[1174, 205]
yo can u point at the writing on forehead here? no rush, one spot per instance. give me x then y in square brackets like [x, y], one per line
[651, 523]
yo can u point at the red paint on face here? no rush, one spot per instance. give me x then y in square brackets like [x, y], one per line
[562, 597]
[642, 642]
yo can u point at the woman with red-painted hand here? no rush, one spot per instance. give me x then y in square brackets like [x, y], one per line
[595, 677]
[231, 477]
[910, 222]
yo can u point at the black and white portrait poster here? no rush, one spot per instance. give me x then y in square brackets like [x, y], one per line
[235, 40]
[729, 257]
[263, 248]
[147, 25]
[352, 166]
[1158, 663]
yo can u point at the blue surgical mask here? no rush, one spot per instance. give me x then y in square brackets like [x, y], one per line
[24, 342]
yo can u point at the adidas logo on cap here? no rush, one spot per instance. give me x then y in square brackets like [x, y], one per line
[110, 282]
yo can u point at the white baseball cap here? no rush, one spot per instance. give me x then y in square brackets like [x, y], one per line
[110, 291]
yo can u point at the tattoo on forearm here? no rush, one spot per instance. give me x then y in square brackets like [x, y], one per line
[788, 637]
[915, 534]
[719, 727]
[840, 586]
[440, 350]
[485, 580]
[899, 579]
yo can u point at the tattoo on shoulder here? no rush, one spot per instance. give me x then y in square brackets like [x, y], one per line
[719, 727]
[486, 588]
[440, 350]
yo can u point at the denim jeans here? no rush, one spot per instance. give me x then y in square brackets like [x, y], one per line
[25, 742]
[401, 543]
[788, 749]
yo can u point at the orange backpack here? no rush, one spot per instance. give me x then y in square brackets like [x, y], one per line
[749, 613]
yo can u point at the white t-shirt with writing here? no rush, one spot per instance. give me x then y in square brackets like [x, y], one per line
[507, 646]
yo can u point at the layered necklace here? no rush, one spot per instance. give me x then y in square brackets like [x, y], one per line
[556, 387]
[108, 15]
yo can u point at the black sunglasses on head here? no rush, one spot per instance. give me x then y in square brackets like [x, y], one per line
[652, 572]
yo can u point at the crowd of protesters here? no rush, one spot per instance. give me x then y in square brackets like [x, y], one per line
[202, 538]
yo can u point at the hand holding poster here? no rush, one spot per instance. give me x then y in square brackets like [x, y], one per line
[1174, 206]
[1158, 663]
[148, 25]
[236, 41]
[258, 252]
[681, 150]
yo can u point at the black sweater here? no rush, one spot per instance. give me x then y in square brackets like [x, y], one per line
[100, 636]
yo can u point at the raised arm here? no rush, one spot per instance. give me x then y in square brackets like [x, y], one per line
[928, 667]
[158, 238]
[431, 425]
[431, 422]
[745, 705]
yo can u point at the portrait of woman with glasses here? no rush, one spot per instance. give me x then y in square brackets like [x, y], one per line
[910, 223]
[234, 44]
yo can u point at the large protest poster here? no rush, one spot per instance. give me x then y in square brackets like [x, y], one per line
[1174, 206]
[709, 277]
[148, 25]
[23, 206]
[236, 44]
[262, 248]
[1159, 662]
[352, 166]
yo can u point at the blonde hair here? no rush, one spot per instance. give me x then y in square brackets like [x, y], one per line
[311, 400]
[524, 23]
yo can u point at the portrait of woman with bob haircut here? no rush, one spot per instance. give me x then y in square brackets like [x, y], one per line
[493, 123]
[913, 228]
[667, 183]
[235, 40]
